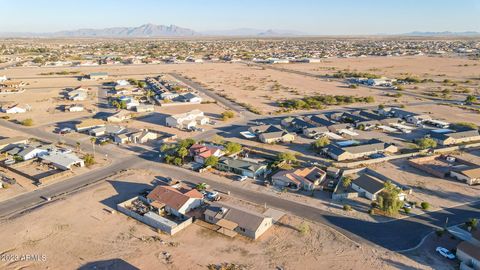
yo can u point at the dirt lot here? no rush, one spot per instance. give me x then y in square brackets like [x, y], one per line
[78, 230]
[440, 193]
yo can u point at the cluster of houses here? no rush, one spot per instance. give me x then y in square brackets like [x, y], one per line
[10, 86]
[385, 82]
[118, 134]
[170, 209]
[169, 91]
[18, 149]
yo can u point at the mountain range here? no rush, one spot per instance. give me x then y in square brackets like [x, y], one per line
[152, 30]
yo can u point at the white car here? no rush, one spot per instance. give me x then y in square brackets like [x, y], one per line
[241, 178]
[445, 253]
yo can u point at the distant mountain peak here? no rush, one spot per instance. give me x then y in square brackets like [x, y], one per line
[144, 30]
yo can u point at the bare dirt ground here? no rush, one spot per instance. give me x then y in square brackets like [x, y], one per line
[78, 230]
[439, 193]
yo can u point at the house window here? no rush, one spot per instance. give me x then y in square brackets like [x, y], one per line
[241, 229]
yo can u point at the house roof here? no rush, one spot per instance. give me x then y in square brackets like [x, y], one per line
[321, 119]
[241, 164]
[369, 183]
[455, 135]
[173, 197]
[306, 175]
[245, 218]
[266, 129]
[63, 159]
[470, 172]
[368, 146]
[470, 249]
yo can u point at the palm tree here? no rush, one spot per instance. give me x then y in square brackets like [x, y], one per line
[93, 140]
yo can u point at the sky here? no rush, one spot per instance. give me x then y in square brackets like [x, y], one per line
[318, 17]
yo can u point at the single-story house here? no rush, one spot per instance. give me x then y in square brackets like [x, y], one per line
[370, 187]
[235, 220]
[271, 134]
[88, 124]
[187, 120]
[141, 108]
[373, 146]
[143, 136]
[201, 152]
[75, 108]
[305, 178]
[455, 137]
[7, 143]
[189, 97]
[119, 117]
[245, 167]
[63, 161]
[469, 174]
[98, 76]
[315, 131]
[13, 109]
[31, 152]
[469, 255]
[177, 202]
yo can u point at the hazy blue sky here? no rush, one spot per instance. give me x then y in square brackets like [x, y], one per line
[309, 16]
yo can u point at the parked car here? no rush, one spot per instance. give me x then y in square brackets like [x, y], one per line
[65, 131]
[445, 253]
[211, 195]
[407, 205]
[241, 178]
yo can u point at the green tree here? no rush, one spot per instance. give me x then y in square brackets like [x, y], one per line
[425, 205]
[182, 152]
[287, 157]
[471, 99]
[211, 161]
[187, 143]
[201, 186]
[426, 143]
[27, 122]
[233, 148]
[321, 142]
[346, 181]
[89, 160]
[227, 115]
[389, 202]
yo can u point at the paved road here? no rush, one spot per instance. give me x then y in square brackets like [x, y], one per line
[395, 235]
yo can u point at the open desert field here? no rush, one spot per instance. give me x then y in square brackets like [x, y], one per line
[79, 231]
[454, 68]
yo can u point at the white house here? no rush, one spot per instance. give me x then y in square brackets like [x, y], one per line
[3, 78]
[14, 109]
[187, 120]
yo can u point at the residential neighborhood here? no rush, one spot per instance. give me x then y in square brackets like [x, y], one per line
[240, 136]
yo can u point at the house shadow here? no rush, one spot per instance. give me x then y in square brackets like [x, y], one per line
[155, 118]
[112, 264]
[400, 234]
[125, 190]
